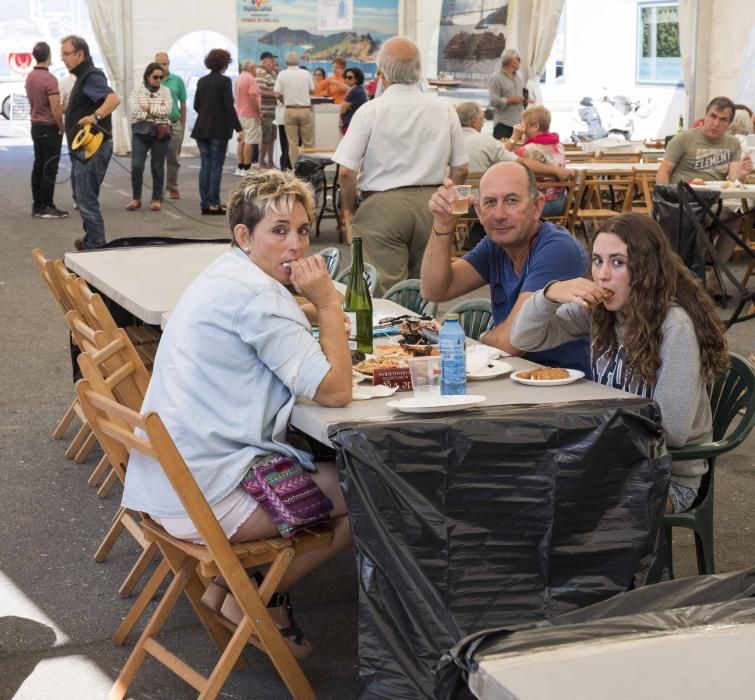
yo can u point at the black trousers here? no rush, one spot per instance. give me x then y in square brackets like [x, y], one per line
[502, 131]
[47, 142]
[285, 162]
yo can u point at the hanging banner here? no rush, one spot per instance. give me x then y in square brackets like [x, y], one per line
[317, 32]
[471, 39]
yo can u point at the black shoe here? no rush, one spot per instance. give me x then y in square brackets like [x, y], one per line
[52, 212]
[214, 209]
[79, 244]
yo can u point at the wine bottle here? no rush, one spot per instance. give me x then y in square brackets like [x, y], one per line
[358, 302]
[680, 126]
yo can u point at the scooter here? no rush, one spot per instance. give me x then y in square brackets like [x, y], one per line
[612, 116]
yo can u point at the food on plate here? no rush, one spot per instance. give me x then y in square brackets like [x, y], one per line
[416, 326]
[419, 349]
[544, 373]
[369, 365]
[727, 185]
[697, 181]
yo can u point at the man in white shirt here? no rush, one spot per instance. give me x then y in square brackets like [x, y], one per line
[293, 87]
[398, 149]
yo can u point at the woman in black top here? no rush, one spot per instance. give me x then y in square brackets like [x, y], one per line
[355, 97]
[216, 122]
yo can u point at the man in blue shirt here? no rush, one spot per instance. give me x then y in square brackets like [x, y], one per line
[519, 255]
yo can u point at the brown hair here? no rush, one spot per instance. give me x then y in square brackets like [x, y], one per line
[78, 43]
[658, 279]
[217, 60]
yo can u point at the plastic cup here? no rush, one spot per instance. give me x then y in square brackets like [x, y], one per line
[460, 201]
[425, 372]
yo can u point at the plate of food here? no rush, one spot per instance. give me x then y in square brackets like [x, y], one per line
[547, 376]
[493, 368]
[436, 404]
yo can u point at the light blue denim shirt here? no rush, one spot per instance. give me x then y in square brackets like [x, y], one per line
[235, 355]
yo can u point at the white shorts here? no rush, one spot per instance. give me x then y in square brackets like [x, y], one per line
[252, 129]
[232, 512]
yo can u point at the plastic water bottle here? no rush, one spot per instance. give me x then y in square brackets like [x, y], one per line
[453, 361]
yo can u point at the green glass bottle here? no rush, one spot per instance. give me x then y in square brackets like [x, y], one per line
[680, 125]
[358, 302]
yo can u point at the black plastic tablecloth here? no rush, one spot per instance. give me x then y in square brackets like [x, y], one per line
[491, 517]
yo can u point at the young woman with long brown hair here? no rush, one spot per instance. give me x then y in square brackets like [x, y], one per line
[654, 332]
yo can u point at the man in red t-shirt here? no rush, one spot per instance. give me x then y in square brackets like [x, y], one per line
[46, 133]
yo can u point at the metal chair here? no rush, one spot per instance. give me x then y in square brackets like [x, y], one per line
[733, 393]
[370, 273]
[332, 257]
[475, 316]
[407, 294]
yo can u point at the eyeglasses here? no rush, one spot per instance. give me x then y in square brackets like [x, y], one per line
[349, 77]
[156, 77]
[63, 54]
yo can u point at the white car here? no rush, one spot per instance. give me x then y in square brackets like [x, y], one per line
[13, 98]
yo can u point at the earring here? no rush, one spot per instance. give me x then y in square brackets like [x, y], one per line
[246, 250]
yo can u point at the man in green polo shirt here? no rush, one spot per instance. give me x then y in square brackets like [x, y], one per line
[175, 84]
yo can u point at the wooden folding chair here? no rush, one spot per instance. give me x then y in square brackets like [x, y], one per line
[645, 184]
[116, 428]
[113, 367]
[95, 313]
[47, 270]
[570, 185]
[603, 194]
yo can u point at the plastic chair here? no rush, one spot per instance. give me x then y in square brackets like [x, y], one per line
[407, 294]
[732, 393]
[475, 316]
[370, 273]
[333, 260]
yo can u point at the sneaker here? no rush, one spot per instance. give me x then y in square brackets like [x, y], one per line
[75, 205]
[35, 212]
[240, 172]
[174, 194]
[52, 212]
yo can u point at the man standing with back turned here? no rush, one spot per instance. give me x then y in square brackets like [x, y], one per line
[46, 133]
[401, 145]
[177, 117]
[92, 102]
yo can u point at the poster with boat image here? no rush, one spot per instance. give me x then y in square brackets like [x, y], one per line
[471, 39]
[318, 31]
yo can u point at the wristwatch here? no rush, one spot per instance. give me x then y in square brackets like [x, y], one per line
[97, 117]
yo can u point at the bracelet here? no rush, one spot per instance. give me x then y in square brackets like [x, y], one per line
[438, 233]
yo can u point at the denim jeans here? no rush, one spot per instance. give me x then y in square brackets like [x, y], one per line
[555, 207]
[141, 145]
[212, 156]
[47, 140]
[88, 176]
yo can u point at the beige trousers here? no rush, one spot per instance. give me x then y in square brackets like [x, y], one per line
[300, 127]
[394, 226]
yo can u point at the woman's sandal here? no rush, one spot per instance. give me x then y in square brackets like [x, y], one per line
[155, 205]
[134, 204]
[219, 599]
[282, 615]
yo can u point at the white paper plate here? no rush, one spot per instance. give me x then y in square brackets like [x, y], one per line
[495, 368]
[574, 375]
[436, 404]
